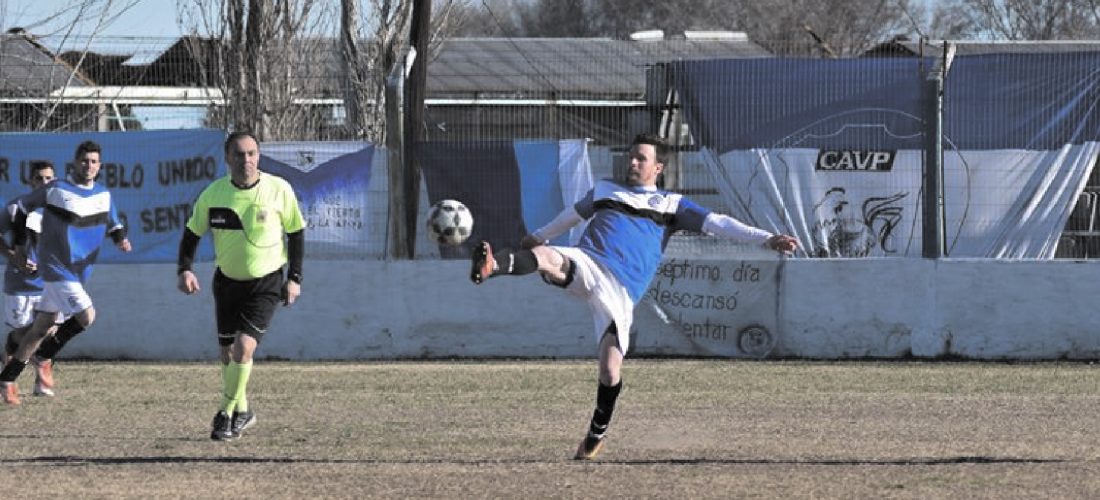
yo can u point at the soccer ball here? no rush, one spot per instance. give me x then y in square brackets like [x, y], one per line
[449, 222]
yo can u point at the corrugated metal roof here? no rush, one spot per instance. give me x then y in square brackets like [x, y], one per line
[28, 69]
[464, 68]
[566, 67]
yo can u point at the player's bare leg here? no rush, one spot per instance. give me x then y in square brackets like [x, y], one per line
[15, 365]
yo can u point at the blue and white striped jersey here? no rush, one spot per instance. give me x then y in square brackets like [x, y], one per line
[629, 227]
[16, 280]
[75, 220]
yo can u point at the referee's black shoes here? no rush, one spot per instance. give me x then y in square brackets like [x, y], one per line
[223, 428]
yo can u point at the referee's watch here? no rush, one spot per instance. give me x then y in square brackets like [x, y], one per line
[295, 277]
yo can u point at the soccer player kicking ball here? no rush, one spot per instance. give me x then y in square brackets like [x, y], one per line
[616, 258]
[248, 212]
[77, 214]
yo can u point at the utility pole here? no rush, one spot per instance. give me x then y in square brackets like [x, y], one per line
[932, 235]
[419, 37]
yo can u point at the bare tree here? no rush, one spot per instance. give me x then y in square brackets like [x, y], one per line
[366, 59]
[830, 28]
[274, 59]
[803, 27]
[262, 55]
[478, 18]
[1020, 19]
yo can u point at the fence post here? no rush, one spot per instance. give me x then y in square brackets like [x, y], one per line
[415, 89]
[932, 234]
[396, 229]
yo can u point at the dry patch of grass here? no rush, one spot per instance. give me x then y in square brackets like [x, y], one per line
[684, 428]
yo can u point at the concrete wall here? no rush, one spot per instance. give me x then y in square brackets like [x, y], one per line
[827, 309]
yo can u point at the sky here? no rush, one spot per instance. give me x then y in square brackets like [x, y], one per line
[146, 18]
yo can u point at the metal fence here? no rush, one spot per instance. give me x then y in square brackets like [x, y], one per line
[609, 90]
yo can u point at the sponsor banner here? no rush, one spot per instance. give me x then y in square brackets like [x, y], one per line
[331, 181]
[837, 158]
[154, 177]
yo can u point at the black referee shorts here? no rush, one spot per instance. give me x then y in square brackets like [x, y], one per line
[245, 306]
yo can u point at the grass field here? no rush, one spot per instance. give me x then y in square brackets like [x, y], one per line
[683, 429]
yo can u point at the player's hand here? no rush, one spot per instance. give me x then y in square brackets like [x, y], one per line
[291, 291]
[188, 283]
[19, 258]
[530, 241]
[124, 245]
[782, 243]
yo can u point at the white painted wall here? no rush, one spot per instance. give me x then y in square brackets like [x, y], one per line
[827, 309]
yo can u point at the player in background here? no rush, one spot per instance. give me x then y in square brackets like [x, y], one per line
[248, 212]
[615, 259]
[23, 284]
[77, 214]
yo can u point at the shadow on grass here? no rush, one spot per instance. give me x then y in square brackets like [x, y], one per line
[917, 461]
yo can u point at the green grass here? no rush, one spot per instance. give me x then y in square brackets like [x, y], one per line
[683, 429]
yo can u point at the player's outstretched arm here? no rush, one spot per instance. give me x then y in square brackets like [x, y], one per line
[564, 221]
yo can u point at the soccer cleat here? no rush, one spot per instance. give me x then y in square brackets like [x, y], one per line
[9, 391]
[222, 428]
[590, 446]
[43, 376]
[483, 263]
[243, 420]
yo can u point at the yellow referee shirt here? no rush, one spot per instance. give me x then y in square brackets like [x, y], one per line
[248, 224]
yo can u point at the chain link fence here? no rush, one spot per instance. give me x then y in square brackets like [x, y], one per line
[606, 91]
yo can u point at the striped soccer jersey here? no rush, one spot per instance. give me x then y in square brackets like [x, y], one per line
[629, 227]
[75, 220]
[16, 280]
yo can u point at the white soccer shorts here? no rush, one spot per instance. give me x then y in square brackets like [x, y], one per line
[65, 297]
[608, 300]
[19, 309]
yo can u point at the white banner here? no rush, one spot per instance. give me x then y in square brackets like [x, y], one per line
[840, 203]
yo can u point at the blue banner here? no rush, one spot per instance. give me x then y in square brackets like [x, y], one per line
[154, 177]
[331, 181]
[511, 187]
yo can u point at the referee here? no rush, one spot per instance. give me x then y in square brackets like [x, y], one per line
[248, 212]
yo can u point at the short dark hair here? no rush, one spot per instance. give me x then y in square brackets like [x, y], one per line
[659, 145]
[236, 136]
[37, 165]
[87, 147]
